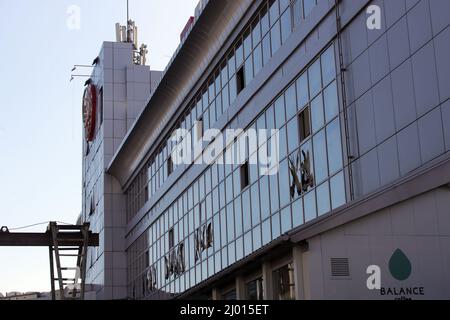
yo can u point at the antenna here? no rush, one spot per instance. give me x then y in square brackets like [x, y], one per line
[129, 34]
[128, 10]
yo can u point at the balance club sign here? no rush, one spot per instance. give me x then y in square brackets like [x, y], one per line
[400, 268]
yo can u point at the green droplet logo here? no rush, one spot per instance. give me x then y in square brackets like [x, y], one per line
[400, 266]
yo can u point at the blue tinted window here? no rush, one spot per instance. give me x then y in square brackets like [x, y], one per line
[238, 215]
[233, 89]
[286, 222]
[248, 243]
[310, 206]
[291, 101]
[297, 212]
[257, 59]
[256, 219]
[298, 12]
[246, 211]
[256, 33]
[231, 253]
[276, 37]
[223, 226]
[215, 200]
[292, 133]
[206, 122]
[286, 25]
[230, 221]
[315, 78]
[217, 262]
[247, 44]
[236, 182]
[218, 82]
[231, 66]
[264, 21]
[284, 183]
[323, 199]
[284, 4]
[217, 236]
[212, 114]
[317, 115]
[256, 238]
[274, 201]
[282, 143]
[219, 105]
[239, 55]
[280, 117]
[224, 75]
[337, 185]
[254, 170]
[302, 90]
[229, 190]
[266, 49]
[205, 100]
[320, 157]
[265, 203]
[224, 258]
[334, 146]
[270, 118]
[309, 5]
[248, 70]
[266, 232]
[276, 230]
[239, 248]
[328, 66]
[274, 11]
[330, 100]
[225, 98]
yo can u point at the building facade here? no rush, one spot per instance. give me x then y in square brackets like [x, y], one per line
[359, 204]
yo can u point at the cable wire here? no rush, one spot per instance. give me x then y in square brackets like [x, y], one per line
[37, 224]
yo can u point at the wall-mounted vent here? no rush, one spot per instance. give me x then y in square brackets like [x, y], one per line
[340, 267]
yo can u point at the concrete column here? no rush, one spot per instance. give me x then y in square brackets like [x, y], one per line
[216, 294]
[297, 257]
[240, 288]
[267, 281]
[306, 276]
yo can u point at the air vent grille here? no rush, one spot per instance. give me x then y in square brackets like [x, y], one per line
[340, 267]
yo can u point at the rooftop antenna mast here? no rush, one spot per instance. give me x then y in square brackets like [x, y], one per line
[129, 33]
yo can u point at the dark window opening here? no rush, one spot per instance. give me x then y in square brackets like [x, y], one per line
[100, 106]
[245, 176]
[230, 295]
[255, 289]
[240, 79]
[169, 166]
[283, 283]
[146, 193]
[171, 239]
[304, 124]
[92, 205]
[147, 259]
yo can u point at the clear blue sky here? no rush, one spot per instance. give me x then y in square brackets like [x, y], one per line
[40, 110]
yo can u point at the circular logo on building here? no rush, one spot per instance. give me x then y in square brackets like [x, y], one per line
[89, 111]
[400, 266]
